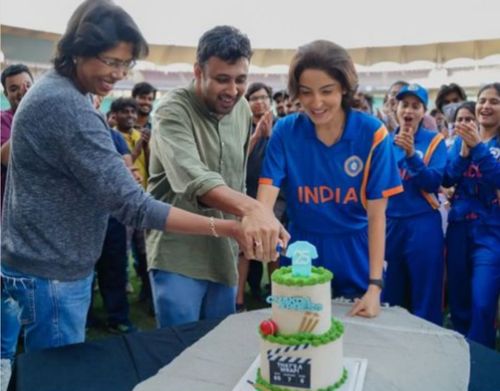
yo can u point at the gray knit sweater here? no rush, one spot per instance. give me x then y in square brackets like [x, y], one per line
[64, 180]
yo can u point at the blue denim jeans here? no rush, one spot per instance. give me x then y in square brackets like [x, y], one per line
[179, 299]
[52, 313]
[11, 325]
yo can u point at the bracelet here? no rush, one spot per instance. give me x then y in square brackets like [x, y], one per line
[211, 224]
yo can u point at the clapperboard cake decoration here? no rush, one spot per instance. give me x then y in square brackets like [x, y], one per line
[287, 370]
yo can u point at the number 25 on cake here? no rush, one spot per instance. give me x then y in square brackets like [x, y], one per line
[301, 346]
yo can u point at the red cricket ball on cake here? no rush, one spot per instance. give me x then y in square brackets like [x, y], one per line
[268, 327]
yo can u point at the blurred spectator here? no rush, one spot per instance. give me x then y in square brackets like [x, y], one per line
[294, 106]
[448, 94]
[363, 102]
[388, 113]
[144, 94]
[280, 99]
[441, 122]
[125, 111]
[111, 267]
[429, 122]
[110, 119]
[259, 97]
[16, 80]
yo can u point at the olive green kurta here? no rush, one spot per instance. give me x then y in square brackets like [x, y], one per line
[193, 152]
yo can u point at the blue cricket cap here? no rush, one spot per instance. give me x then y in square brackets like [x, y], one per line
[416, 90]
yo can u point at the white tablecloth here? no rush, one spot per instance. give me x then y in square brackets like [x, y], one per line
[403, 352]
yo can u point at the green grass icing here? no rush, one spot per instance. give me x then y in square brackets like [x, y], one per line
[319, 275]
[333, 333]
[260, 380]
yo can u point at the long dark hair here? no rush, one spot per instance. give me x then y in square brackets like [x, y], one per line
[94, 27]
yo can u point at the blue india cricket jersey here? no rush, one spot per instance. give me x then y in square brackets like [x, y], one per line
[421, 175]
[477, 182]
[327, 187]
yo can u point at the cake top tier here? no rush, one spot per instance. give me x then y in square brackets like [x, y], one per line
[284, 276]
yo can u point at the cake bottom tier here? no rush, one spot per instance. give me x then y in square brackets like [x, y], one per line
[310, 363]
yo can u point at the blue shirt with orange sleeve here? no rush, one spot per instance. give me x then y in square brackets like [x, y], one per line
[327, 187]
[421, 174]
[477, 182]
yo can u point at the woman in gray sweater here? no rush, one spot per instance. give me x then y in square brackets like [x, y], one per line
[65, 179]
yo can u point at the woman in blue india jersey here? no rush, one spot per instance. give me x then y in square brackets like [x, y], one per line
[337, 168]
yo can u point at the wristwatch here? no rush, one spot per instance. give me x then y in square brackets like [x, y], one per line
[376, 281]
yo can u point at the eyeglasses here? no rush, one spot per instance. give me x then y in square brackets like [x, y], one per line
[262, 98]
[116, 64]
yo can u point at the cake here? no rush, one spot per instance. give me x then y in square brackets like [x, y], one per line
[301, 345]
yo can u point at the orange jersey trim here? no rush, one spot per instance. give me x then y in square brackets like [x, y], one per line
[431, 198]
[378, 137]
[390, 192]
[432, 147]
[265, 181]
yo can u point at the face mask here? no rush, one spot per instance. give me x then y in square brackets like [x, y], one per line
[449, 111]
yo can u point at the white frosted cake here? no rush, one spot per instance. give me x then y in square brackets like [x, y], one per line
[301, 346]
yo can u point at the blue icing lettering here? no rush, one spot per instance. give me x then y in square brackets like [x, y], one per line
[294, 303]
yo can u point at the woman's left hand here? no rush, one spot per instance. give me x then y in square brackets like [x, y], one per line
[369, 305]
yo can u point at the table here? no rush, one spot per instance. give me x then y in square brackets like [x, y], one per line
[120, 363]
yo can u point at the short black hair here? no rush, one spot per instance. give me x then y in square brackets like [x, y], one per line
[143, 88]
[256, 87]
[13, 70]
[225, 42]
[122, 103]
[94, 27]
[280, 94]
[447, 89]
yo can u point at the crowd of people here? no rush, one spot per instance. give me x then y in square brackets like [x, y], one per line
[399, 203]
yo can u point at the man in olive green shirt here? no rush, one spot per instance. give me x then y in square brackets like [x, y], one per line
[198, 163]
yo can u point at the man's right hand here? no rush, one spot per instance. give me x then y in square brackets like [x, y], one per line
[261, 234]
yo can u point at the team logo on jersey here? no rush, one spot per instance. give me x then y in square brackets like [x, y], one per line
[420, 154]
[353, 166]
[495, 152]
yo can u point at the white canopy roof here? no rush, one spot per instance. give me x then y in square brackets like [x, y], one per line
[374, 31]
